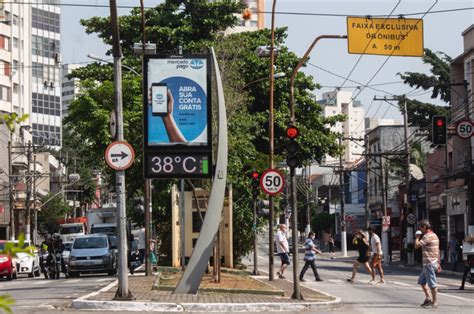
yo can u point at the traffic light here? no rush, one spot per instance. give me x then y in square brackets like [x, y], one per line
[139, 204]
[292, 147]
[255, 176]
[263, 208]
[439, 132]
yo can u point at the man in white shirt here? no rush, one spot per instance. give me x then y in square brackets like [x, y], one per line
[282, 249]
[377, 254]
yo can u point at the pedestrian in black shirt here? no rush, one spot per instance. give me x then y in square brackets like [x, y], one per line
[362, 245]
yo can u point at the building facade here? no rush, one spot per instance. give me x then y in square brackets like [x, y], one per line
[256, 20]
[341, 102]
[46, 74]
[69, 87]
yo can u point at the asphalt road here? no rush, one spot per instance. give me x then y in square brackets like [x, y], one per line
[35, 295]
[400, 293]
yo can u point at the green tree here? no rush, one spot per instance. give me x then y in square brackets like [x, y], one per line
[197, 25]
[420, 113]
[53, 210]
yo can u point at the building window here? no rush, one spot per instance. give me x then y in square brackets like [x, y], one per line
[7, 69]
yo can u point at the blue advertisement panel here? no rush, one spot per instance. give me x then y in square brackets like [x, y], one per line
[177, 111]
[178, 102]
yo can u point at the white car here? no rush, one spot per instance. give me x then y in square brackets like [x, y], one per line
[28, 263]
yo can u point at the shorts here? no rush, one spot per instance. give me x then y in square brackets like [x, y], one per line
[284, 258]
[363, 259]
[428, 275]
[377, 259]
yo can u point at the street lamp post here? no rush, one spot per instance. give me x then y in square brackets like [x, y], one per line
[294, 214]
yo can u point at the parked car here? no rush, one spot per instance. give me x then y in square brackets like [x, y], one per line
[92, 253]
[67, 250]
[7, 264]
[28, 262]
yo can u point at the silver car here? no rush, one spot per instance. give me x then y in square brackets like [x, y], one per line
[93, 253]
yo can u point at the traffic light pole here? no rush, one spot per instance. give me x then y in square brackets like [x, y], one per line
[342, 202]
[254, 227]
[294, 235]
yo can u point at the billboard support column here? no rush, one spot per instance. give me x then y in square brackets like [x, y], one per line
[191, 279]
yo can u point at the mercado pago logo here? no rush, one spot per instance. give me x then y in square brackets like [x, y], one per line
[188, 102]
[186, 63]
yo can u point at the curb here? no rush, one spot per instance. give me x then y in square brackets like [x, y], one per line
[83, 303]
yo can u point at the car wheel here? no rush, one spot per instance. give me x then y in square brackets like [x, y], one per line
[32, 274]
[73, 274]
[15, 274]
[37, 272]
[10, 277]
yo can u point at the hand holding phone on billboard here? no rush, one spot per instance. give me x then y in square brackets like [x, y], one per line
[158, 93]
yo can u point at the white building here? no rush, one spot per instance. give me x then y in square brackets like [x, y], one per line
[341, 102]
[70, 87]
[46, 73]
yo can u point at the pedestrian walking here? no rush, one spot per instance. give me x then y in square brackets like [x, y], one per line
[453, 251]
[377, 254]
[429, 243]
[310, 252]
[362, 245]
[331, 246]
[282, 250]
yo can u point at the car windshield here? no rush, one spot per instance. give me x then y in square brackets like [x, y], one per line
[90, 243]
[106, 230]
[71, 229]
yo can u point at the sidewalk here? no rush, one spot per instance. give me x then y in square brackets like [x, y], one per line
[147, 299]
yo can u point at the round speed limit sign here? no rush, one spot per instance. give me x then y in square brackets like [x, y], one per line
[272, 181]
[464, 129]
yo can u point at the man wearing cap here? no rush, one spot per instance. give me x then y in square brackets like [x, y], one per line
[429, 243]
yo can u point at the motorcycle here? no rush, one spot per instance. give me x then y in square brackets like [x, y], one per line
[44, 263]
[55, 265]
[470, 274]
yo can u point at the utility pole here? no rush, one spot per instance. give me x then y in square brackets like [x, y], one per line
[366, 190]
[469, 175]
[308, 207]
[123, 291]
[35, 233]
[11, 189]
[28, 193]
[343, 212]
[254, 227]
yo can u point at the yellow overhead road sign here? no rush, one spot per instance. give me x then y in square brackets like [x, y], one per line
[392, 37]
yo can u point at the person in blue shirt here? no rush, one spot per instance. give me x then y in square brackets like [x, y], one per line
[310, 252]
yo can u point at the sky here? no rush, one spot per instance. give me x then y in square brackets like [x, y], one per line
[442, 32]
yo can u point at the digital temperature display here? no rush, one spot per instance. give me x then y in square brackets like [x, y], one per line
[177, 165]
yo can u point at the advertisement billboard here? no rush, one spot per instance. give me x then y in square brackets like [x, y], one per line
[178, 103]
[177, 111]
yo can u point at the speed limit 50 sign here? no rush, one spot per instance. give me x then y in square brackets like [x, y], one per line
[272, 181]
[464, 129]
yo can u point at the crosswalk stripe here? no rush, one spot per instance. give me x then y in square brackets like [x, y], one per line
[40, 282]
[335, 280]
[74, 281]
[104, 279]
[403, 284]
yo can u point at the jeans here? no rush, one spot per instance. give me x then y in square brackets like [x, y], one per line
[313, 267]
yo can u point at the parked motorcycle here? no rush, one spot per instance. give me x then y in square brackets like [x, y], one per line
[470, 274]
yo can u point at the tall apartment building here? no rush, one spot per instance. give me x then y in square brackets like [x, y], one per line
[69, 87]
[46, 73]
[341, 102]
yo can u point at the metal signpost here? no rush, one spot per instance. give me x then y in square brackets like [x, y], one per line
[385, 36]
[177, 111]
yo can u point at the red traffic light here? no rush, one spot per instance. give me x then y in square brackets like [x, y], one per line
[255, 175]
[292, 132]
[439, 122]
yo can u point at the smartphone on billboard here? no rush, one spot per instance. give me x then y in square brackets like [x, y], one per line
[159, 99]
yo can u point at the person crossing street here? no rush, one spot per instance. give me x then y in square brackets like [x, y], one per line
[310, 252]
[377, 255]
